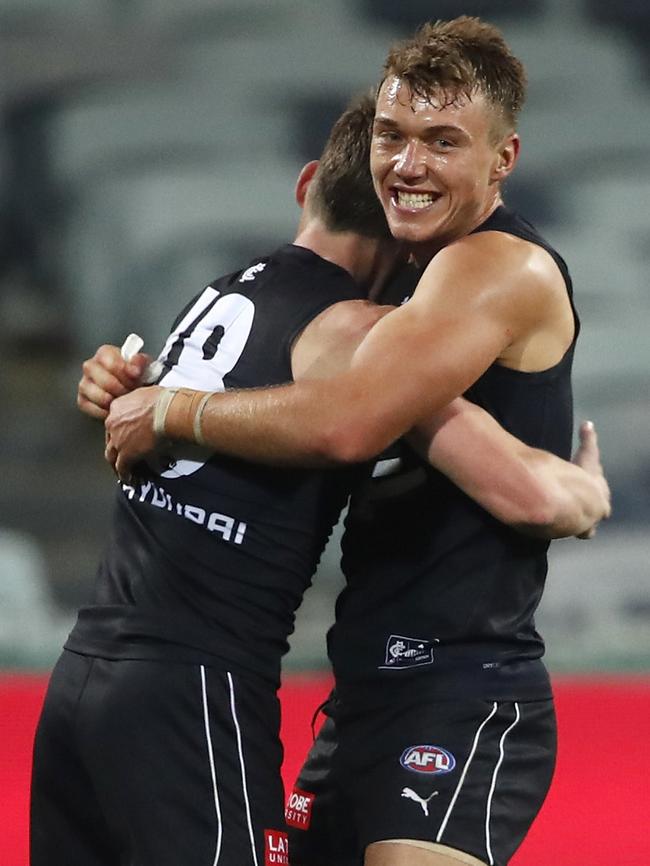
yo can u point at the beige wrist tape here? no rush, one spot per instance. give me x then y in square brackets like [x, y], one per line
[160, 410]
[185, 421]
[196, 424]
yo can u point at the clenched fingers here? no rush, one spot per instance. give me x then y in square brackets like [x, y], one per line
[106, 376]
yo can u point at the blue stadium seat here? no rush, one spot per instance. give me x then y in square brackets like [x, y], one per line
[154, 122]
[32, 627]
[35, 15]
[222, 20]
[407, 16]
[122, 219]
[159, 285]
[630, 16]
[532, 196]
[313, 116]
[595, 610]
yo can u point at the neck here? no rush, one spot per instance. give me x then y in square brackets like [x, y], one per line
[366, 259]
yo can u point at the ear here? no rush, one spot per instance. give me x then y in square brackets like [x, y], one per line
[506, 157]
[304, 179]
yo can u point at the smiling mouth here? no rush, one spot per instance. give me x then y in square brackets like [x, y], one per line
[413, 200]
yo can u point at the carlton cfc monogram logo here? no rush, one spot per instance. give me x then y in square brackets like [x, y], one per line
[276, 848]
[431, 760]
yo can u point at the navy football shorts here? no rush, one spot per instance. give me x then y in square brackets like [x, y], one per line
[467, 774]
[152, 762]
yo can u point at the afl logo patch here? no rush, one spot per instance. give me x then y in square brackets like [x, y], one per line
[431, 760]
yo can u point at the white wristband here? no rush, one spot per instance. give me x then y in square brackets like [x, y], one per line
[196, 426]
[160, 410]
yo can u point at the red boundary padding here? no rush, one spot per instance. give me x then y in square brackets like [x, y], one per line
[595, 815]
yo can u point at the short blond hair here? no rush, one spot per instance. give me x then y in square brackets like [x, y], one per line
[451, 59]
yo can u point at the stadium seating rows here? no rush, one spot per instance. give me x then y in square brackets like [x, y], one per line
[157, 145]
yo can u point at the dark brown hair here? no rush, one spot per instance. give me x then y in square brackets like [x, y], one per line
[342, 192]
[449, 59]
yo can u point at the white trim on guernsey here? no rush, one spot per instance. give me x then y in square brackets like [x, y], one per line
[488, 845]
[213, 772]
[464, 773]
[243, 767]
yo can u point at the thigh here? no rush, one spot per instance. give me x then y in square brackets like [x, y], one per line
[318, 812]
[186, 763]
[67, 824]
[409, 852]
[468, 775]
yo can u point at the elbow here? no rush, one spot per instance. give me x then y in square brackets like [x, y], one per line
[349, 443]
[351, 428]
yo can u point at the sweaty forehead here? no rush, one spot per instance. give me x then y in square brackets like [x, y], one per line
[396, 91]
[397, 103]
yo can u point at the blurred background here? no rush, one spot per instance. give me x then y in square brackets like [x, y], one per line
[147, 146]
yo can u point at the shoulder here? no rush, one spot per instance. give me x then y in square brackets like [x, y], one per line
[335, 333]
[497, 253]
[348, 318]
[344, 322]
[494, 268]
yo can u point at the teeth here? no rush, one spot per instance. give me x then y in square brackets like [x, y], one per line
[414, 199]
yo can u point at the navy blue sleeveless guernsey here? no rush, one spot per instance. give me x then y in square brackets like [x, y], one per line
[440, 596]
[208, 556]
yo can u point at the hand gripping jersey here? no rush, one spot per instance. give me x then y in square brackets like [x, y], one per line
[208, 556]
[441, 596]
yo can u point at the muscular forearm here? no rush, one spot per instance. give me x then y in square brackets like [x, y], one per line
[410, 365]
[407, 367]
[346, 419]
[302, 424]
[574, 500]
[529, 489]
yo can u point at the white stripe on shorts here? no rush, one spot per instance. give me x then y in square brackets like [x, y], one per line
[243, 769]
[465, 769]
[488, 845]
[213, 772]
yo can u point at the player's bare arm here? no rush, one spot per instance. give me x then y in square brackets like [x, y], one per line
[324, 348]
[486, 297]
[327, 345]
[524, 487]
[531, 490]
[108, 375]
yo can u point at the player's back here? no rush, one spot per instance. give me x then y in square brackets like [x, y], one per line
[208, 556]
